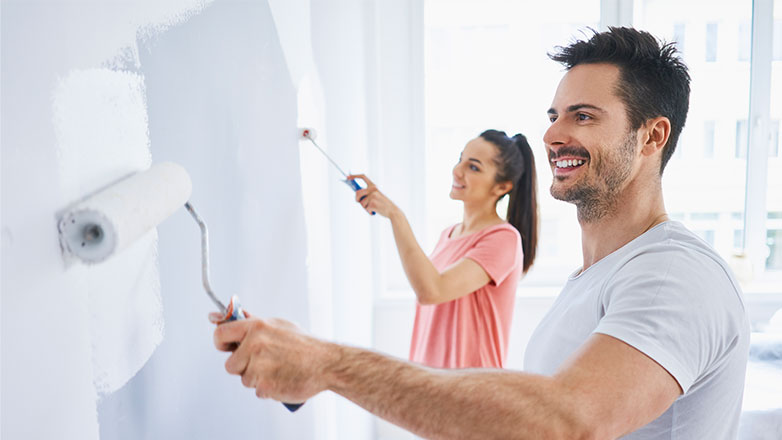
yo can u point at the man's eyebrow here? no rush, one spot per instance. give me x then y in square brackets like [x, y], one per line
[576, 107]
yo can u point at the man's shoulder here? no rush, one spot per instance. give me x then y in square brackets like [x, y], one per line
[676, 260]
[672, 241]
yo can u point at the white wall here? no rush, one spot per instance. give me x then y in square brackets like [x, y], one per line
[217, 98]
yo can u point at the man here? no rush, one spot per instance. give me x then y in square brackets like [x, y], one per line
[648, 338]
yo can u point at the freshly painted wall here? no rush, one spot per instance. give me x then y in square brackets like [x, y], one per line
[92, 91]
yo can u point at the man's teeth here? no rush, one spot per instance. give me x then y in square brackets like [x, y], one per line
[569, 163]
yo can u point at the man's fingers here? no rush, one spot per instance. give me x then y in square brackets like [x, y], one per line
[229, 334]
[215, 317]
[241, 358]
[248, 379]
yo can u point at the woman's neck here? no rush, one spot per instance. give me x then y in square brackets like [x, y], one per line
[475, 219]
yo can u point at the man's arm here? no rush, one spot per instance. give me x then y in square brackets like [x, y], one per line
[606, 389]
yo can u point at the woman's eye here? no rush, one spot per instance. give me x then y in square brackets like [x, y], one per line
[474, 168]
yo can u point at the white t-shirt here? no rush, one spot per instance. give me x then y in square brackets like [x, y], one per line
[669, 295]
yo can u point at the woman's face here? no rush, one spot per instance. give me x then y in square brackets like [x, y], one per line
[474, 174]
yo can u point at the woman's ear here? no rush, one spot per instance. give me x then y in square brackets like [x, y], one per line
[502, 188]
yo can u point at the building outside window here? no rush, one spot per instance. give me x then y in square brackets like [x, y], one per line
[708, 139]
[774, 241]
[777, 36]
[745, 41]
[711, 42]
[742, 136]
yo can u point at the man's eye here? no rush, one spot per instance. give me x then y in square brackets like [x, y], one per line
[552, 119]
[583, 117]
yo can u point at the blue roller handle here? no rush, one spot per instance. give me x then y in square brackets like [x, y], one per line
[353, 184]
[355, 187]
[236, 315]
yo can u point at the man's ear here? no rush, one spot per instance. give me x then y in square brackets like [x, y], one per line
[656, 133]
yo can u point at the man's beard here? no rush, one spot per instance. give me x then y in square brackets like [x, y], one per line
[594, 200]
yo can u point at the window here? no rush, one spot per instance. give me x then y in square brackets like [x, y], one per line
[706, 234]
[704, 216]
[706, 197]
[742, 136]
[773, 203]
[486, 67]
[774, 243]
[711, 42]
[738, 238]
[511, 85]
[708, 139]
[745, 41]
[706, 226]
[777, 51]
[678, 35]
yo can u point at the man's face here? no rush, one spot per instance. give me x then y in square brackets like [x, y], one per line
[590, 146]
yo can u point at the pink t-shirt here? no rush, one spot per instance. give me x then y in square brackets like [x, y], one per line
[471, 331]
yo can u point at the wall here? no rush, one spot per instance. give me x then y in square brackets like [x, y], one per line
[90, 92]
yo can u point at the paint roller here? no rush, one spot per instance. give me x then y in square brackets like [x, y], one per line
[107, 222]
[310, 134]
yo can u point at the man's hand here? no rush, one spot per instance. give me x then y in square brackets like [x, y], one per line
[276, 358]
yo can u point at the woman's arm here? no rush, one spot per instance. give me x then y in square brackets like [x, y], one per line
[430, 286]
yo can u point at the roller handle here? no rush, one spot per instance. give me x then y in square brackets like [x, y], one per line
[292, 407]
[355, 187]
[353, 184]
[235, 313]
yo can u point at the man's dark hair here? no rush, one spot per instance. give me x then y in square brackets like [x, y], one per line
[653, 80]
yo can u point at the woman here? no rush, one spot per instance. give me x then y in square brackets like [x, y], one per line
[467, 287]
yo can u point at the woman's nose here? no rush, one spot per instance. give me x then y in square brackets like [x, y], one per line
[457, 170]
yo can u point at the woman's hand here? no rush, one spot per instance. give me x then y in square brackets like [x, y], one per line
[372, 199]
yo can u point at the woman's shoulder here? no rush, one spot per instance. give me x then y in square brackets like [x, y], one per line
[503, 229]
[500, 231]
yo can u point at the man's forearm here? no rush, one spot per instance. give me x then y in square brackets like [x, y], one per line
[453, 404]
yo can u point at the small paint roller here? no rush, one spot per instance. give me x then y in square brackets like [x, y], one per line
[311, 134]
[105, 223]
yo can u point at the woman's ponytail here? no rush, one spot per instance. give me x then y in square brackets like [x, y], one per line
[516, 163]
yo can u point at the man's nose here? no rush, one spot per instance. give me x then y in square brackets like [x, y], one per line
[557, 134]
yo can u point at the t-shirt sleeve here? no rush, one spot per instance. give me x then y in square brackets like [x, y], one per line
[498, 253]
[681, 310]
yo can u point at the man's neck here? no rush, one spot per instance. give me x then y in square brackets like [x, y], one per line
[631, 216]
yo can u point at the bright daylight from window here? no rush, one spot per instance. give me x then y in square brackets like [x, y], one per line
[478, 76]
